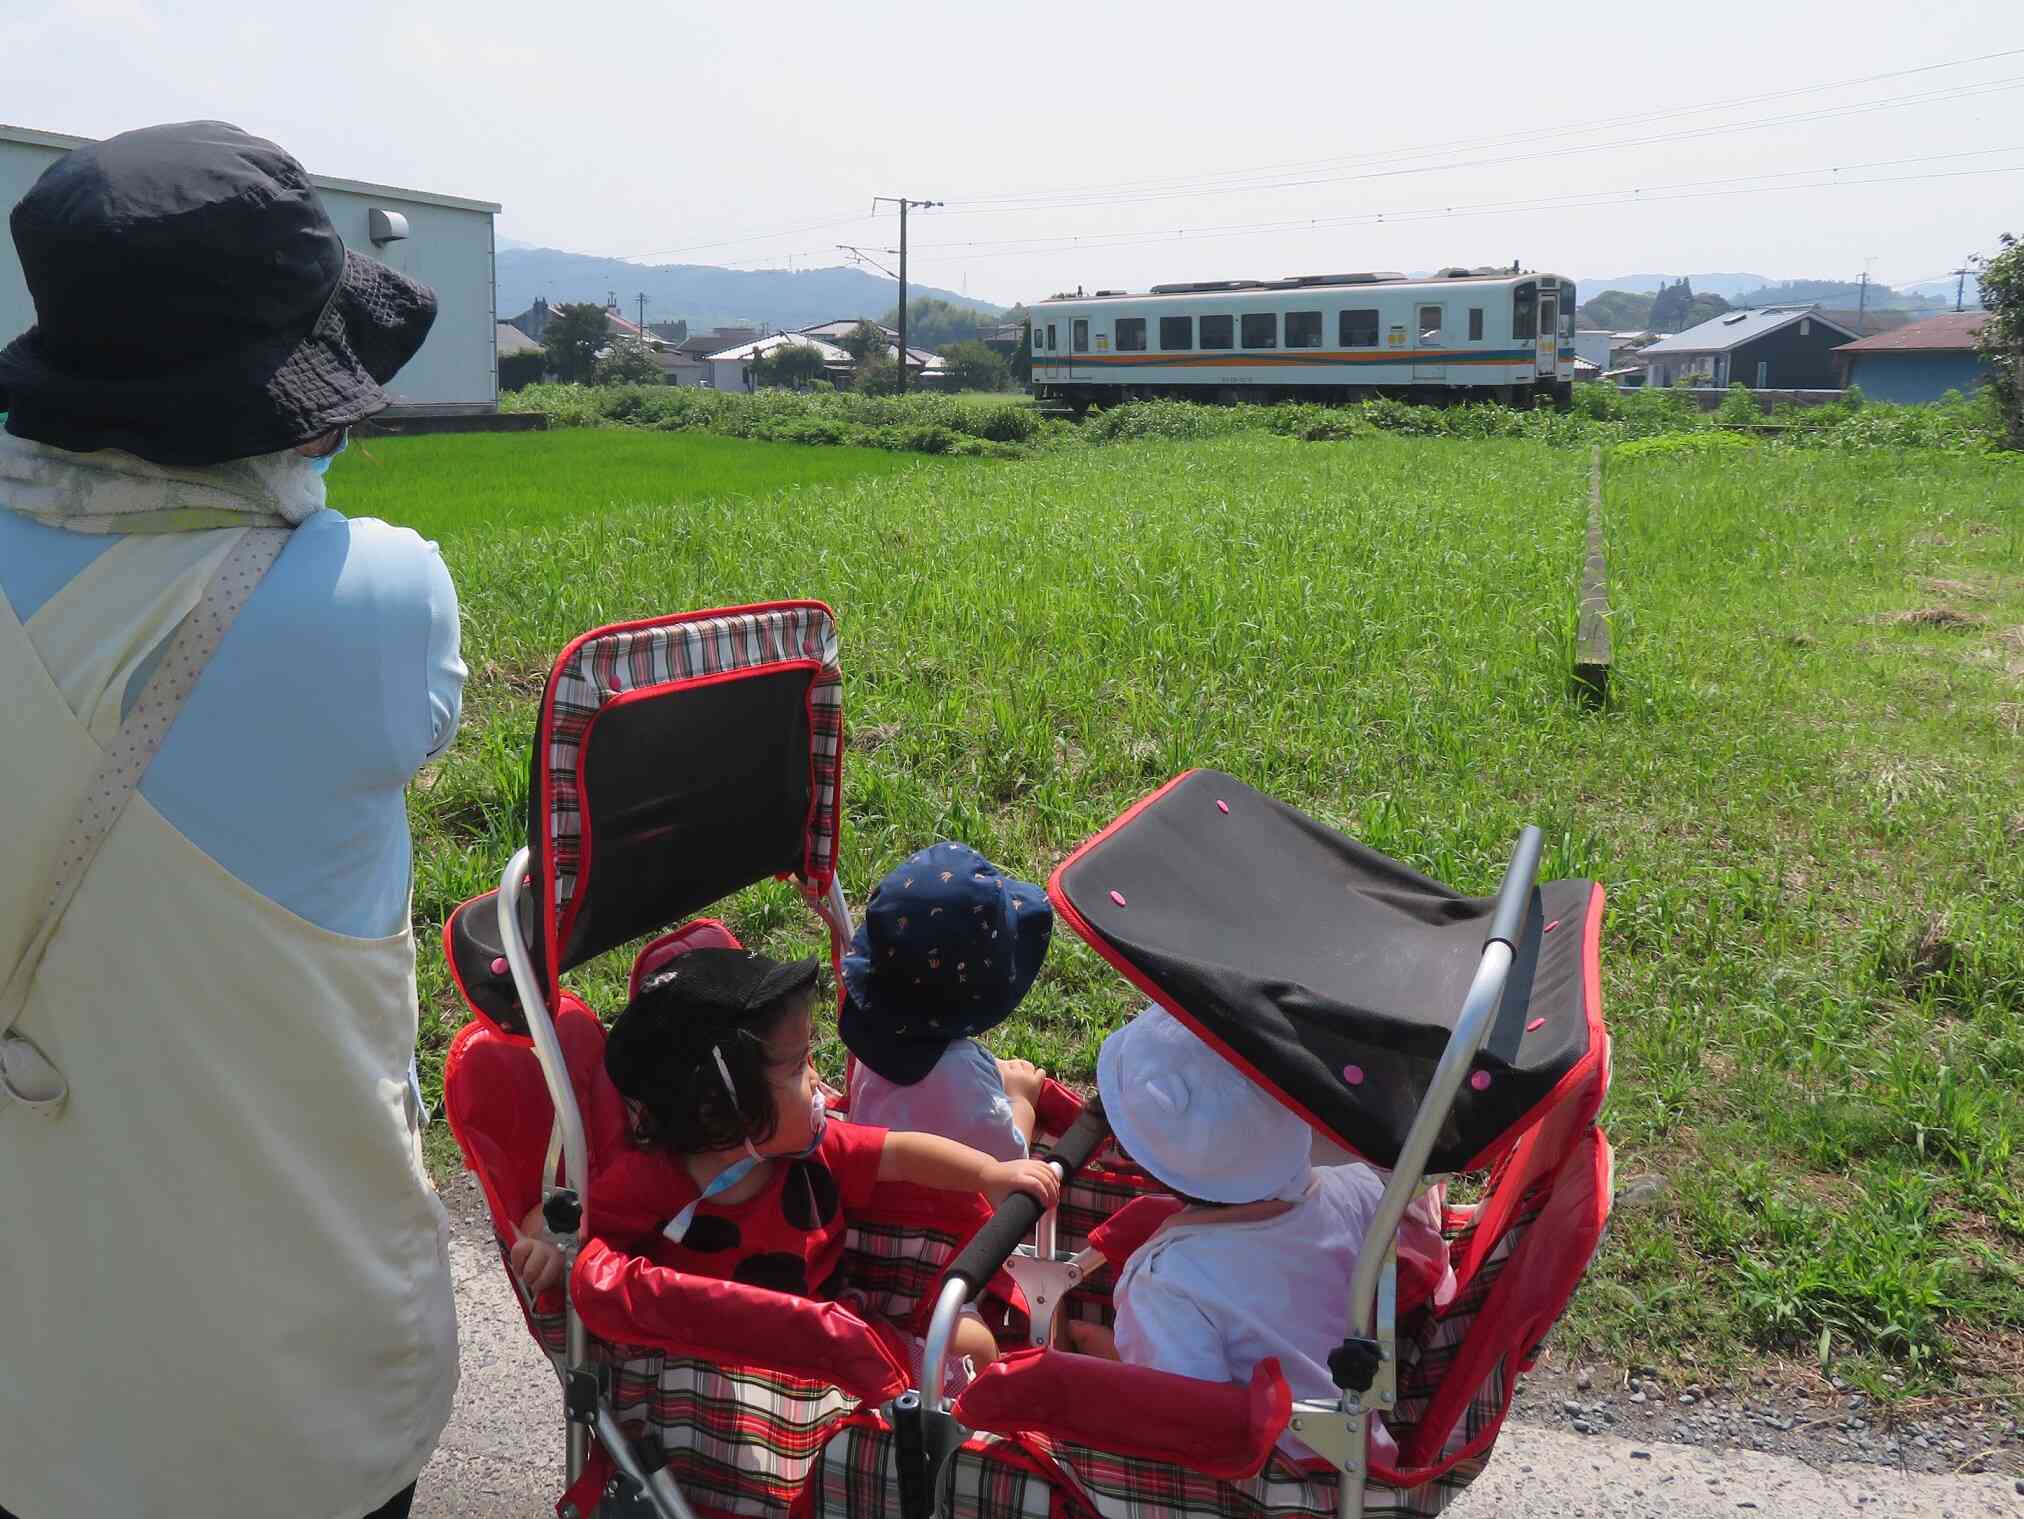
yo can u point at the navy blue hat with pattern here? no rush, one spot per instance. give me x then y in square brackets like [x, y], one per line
[948, 946]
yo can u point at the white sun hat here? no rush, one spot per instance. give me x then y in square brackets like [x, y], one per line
[1195, 1121]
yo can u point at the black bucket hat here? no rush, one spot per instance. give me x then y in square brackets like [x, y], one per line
[701, 996]
[193, 303]
[948, 947]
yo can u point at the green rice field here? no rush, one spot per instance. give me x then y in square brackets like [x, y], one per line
[1805, 798]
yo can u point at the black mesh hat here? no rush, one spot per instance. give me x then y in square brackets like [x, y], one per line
[194, 304]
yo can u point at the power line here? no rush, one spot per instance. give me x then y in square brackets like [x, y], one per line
[1680, 190]
[1827, 113]
[1461, 144]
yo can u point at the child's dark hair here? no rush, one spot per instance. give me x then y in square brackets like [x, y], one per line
[660, 1055]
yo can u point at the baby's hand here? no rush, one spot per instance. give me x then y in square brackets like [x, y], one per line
[537, 1263]
[1090, 1339]
[1035, 1178]
[1022, 1079]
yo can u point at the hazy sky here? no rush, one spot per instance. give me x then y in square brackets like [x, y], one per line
[1112, 145]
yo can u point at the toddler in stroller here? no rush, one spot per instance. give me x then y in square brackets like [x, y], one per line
[712, 1055]
[948, 947]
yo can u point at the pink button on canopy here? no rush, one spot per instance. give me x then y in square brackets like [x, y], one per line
[1550, 927]
[499, 966]
[1535, 1025]
[1117, 897]
[1353, 1074]
[1480, 1081]
[1222, 806]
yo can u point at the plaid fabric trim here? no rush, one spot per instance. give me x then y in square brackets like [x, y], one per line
[635, 659]
[739, 1440]
[894, 1268]
[993, 1477]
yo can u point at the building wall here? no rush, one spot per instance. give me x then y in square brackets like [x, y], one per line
[1911, 377]
[1594, 347]
[1792, 360]
[448, 248]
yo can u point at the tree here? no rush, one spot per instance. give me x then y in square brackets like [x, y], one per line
[2001, 341]
[1022, 359]
[1617, 311]
[862, 341]
[972, 366]
[1671, 305]
[876, 374]
[626, 362]
[932, 323]
[523, 368]
[1703, 308]
[791, 366]
[573, 336]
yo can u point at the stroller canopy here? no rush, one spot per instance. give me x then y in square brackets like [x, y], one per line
[1331, 974]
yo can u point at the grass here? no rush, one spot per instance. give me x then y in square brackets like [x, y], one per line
[1805, 805]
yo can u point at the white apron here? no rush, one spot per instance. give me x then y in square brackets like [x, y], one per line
[224, 1275]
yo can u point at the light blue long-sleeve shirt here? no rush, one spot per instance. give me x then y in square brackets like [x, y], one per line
[290, 761]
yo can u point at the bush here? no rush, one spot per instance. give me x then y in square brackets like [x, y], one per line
[972, 366]
[519, 370]
[625, 362]
[1739, 407]
[936, 424]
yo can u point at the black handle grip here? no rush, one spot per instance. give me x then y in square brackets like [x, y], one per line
[1516, 893]
[1017, 1215]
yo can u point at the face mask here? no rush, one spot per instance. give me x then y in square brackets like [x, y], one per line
[321, 465]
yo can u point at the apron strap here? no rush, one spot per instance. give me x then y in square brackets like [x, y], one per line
[26, 1074]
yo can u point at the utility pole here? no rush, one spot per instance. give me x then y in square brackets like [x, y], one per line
[1960, 287]
[903, 203]
[1862, 302]
[643, 316]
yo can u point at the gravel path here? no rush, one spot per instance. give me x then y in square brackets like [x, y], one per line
[501, 1456]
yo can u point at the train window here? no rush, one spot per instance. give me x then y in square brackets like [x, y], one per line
[1430, 326]
[1219, 332]
[1475, 324]
[1131, 334]
[1303, 329]
[1567, 304]
[1358, 329]
[1524, 312]
[1050, 337]
[1261, 329]
[1078, 334]
[1177, 333]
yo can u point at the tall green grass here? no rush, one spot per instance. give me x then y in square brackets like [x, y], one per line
[1804, 804]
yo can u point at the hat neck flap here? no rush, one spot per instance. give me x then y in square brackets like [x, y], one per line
[109, 491]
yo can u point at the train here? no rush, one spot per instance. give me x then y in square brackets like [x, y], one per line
[1456, 335]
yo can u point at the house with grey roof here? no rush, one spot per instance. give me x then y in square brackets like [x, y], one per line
[1764, 347]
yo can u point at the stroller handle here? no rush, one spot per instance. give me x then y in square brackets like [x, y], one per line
[1516, 892]
[1014, 1220]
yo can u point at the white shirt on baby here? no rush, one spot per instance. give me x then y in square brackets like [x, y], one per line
[962, 1098]
[1212, 1300]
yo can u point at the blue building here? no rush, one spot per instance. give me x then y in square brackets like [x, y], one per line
[1918, 362]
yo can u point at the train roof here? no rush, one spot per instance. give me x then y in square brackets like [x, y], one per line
[1312, 282]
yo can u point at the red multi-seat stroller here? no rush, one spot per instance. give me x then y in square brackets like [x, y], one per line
[680, 759]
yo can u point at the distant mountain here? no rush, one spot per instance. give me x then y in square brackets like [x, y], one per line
[1728, 286]
[701, 294]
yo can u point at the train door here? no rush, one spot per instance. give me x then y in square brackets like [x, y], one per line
[1549, 334]
[1430, 361]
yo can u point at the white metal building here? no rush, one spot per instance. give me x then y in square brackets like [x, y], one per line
[442, 240]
